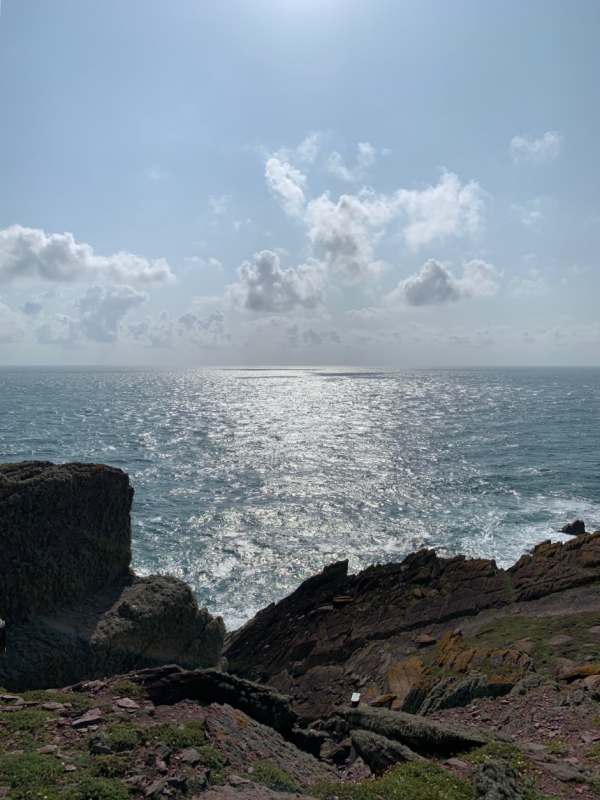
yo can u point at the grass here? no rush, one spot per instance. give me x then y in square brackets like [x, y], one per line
[415, 781]
[79, 701]
[494, 751]
[540, 630]
[126, 688]
[271, 776]
[123, 736]
[98, 789]
[24, 728]
[185, 734]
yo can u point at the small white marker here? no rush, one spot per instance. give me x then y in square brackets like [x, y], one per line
[355, 699]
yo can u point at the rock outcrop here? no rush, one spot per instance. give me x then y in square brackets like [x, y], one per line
[381, 632]
[72, 606]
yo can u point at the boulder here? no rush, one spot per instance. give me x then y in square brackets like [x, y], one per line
[497, 780]
[380, 753]
[575, 528]
[422, 735]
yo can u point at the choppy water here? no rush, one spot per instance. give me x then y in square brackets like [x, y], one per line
[248, 481]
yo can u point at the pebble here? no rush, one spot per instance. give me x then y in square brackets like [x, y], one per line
[91, 717]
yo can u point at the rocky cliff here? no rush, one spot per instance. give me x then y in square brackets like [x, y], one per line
[73, 608]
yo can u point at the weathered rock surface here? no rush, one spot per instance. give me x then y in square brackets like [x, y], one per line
[421, 735]
[319, 651]
[380, 753]
[497, 780]
[73, 608]
[65, 533]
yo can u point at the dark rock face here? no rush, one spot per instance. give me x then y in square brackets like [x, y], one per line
[380, 753]
[64, 533]
[575, 528]
[172, 685]
[497, 780]
[73, 608]
[320, 651]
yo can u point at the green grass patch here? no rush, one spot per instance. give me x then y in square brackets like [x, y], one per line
[98, 789]
[110, 766]
[185, 734]
[510, 629]
[494, 751]
[124, 736]
[274, 777]
[23, 728]
[78, 700]
[126, 688]
[415, 781]
[29, 772]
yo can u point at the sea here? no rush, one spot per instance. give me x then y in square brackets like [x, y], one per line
[248, 481]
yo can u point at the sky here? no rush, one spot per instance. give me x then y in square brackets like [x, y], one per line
[296, 182]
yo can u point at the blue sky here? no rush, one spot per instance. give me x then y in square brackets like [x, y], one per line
[299, 182]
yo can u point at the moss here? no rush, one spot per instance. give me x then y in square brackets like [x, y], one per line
[185, 734]
[124, 736]
[415, 781]
[273, 777]
[126, 688]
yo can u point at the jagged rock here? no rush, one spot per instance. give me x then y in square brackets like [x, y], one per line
[453, 693]
[497, 780]
[422, 735]
[575, 528]
[210, 686]
[65, 535]
[321, 659]
[380, 753]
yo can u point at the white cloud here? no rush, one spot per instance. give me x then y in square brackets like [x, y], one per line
[529, 285]
[207, 332]
[11, 329]
[30, 253]
[219, 204]
[365, 158]
[287, 183]
[264, 286]
[210, 263]
[528, 148]
[450, 208]
[530, 214]
[306, 152]
[102, 310]
[59, 330]
[435, 284]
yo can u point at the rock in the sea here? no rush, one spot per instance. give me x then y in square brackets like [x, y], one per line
[74, 610]
[575, 528]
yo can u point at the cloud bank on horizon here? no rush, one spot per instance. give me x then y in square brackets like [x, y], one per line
[417, 244]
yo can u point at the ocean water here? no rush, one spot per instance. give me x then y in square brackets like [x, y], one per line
[248, 481]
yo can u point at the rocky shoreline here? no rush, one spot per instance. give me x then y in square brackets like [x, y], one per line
[431, 679]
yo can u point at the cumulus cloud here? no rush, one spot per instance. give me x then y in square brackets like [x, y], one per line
[31, 253]
[102, 309]
[263, 285]
[537, 150]
[365, 158]
[31, 308]
[435, 284]
[450, 208]
[59, 330]
[306, 152]
[207, 332]
[11, 329]
[287, 183]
